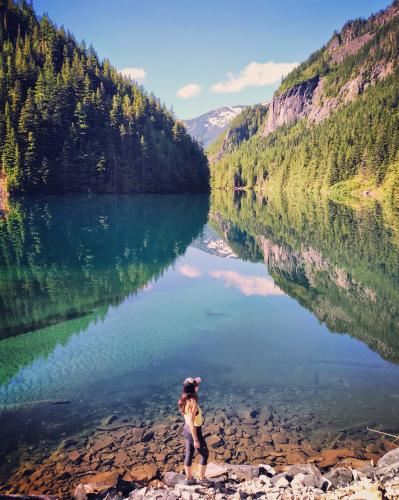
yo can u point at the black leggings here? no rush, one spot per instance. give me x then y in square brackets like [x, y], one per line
[190, 450]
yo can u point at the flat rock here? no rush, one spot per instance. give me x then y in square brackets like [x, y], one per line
[266, 469]
[120, 458]
[355, 463]
[282, 482]
[214, 441]
[248, 416]
[101, 443]
[374, 448]
[63, 476]
[265, 416]
[136, 434]
[213, 429]
[75, 457]
[244, 472]
[218, 420]
[295, 457]
[332, 456]
[108, 420]
[372, 456]
[309, 451]
[215, 470]
[141, 473]
[339, 453]
[173, 478]
[100, 482]
[279, 438]
[67, 443]
[308, 469]
[147, 436]
[305, 481]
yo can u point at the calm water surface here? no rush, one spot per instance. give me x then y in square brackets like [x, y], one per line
[107, 303]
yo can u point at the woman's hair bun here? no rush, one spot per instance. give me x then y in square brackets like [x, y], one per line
[189, 387]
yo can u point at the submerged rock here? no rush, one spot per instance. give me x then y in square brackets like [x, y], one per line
[142, 473]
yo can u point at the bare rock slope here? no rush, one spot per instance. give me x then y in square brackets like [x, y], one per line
[309, 98]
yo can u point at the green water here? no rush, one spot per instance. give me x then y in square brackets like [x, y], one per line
[109, 302]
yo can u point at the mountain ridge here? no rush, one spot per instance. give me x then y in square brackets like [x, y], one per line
[331, 126]
[206, 128]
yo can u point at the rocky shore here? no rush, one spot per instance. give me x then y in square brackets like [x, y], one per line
[136, 457]
[235, 482]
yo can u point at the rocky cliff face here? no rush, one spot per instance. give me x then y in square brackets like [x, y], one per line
[309, 263]
[308, 99]
[290, 106]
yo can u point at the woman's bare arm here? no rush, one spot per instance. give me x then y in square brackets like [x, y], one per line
[193, 430]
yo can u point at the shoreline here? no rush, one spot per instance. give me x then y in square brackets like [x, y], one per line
[140, 453]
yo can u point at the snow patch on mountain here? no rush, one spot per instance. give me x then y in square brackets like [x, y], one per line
[206, 128]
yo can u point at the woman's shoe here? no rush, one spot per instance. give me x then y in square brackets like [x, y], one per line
[190, 482]
[204, 482]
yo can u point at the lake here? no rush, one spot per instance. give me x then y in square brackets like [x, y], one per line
[109, 302]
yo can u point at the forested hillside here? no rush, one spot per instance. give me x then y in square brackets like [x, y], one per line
[333, 124]
[72, 123]
[241, 128]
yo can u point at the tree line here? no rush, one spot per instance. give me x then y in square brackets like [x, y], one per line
[72, 123]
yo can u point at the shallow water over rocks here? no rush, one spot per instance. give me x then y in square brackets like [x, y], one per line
[108, 304]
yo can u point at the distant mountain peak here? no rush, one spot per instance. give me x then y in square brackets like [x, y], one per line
[205, 128]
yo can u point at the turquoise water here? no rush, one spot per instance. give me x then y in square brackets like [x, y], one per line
[110, 302]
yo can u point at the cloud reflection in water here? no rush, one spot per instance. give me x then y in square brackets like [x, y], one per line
[248, 285]
[190, 271]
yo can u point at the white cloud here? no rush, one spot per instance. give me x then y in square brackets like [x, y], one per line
[190, 271]
[248, 285]
[188, 91]
[137, 74]
[254, 75]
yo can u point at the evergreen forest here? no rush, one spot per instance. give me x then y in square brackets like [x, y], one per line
[72, 123]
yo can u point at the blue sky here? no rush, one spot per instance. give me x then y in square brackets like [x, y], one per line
[195, 44]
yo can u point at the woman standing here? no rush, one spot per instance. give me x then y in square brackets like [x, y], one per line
[192, 432]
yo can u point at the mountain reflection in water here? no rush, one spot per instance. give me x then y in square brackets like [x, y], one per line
[339, 263]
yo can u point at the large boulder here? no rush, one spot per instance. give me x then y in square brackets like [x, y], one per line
[390, 458]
